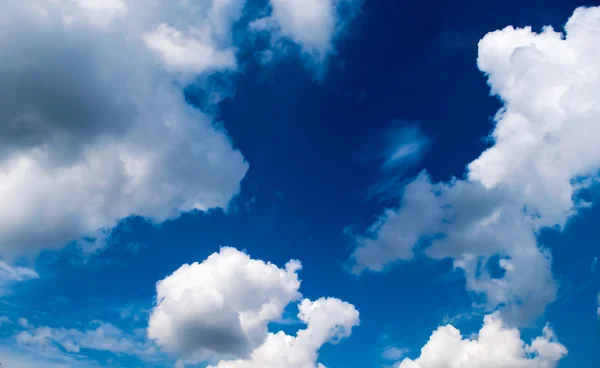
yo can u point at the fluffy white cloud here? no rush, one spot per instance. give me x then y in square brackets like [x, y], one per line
[544, 151]
[93, 129]
[496, 346]
[221, 307]
[327, 320]
[545, 136]
[219, 310]
[312, 24]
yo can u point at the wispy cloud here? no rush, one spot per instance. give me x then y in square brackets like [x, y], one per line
[393, 353]
[398, 148]
[12, 274]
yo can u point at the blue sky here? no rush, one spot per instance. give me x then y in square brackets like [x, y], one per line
[167, 168]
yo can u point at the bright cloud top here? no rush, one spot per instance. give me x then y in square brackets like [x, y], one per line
[496, 346]
[544, 152]
[544, 135]
[219, 309]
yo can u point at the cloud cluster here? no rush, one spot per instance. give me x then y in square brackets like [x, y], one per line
[105, 337]
[64, 346]
[496, 346]
[95, 129]
[219, 310]
[94, 126]
[543, 153]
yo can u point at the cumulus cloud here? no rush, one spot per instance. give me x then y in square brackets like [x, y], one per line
[311, 24]
[545, 136]
[496, 346]
[220, 309]
[94, 127]
[544, 151]
[470, 224]
[327, 320]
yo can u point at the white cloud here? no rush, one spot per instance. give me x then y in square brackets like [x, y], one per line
[94, 130]
[23, 322]
[545, 136]
[470, 224]
[205, 42]
[105, 337]
[221, 307]
[327, 320]
[219, 310]
[22, 358]
[188, 54]
[16, 273]
[544, 149]
[102, 11]
[44, 342]
[496, 346]
[312, 24]
[11, 274]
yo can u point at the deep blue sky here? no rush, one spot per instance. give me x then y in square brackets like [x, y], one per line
[399, 62]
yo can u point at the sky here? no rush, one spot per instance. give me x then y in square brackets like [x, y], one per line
[299, 184]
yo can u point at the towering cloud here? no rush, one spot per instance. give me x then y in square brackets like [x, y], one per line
[545, 150]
